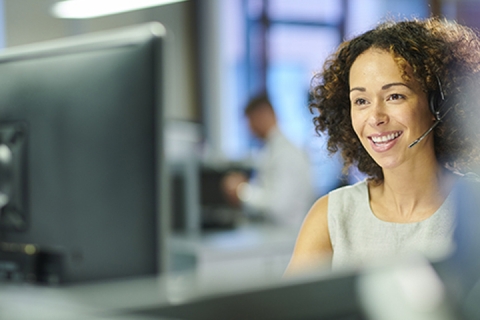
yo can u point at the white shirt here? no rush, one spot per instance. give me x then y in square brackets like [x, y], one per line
[359, 238]
[282, 187]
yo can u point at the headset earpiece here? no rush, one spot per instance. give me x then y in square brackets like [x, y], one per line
[435, 102]
[435, 105]
[436, 99]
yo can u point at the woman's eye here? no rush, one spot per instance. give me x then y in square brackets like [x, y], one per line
[395, 96]
[360, 101]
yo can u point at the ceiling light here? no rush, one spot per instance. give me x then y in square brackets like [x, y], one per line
[84, 9]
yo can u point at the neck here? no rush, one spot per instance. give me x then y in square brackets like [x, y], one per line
[269, 131]
[412, 194]
[420, 171]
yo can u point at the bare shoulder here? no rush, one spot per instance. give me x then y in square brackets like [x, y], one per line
[313, 246]
[318, 212]
[314, 233]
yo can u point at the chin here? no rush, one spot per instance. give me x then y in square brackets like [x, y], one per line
[386, 164]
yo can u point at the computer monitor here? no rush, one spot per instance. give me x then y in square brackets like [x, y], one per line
[328, 297]
[81, 151]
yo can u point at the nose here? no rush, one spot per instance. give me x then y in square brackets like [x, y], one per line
[378, 116]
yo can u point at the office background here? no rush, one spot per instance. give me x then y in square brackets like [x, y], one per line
[224, 51]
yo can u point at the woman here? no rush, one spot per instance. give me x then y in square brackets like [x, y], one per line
[394, 101]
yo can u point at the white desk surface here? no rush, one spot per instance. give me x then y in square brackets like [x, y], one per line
[247, 239]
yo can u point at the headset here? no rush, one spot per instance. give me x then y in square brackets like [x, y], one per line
[435, 102]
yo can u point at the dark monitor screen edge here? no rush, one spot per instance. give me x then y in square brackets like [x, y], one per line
[86, 177]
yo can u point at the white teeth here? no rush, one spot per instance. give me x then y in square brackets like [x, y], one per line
[385, 138]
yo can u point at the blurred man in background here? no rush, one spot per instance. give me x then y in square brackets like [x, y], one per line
[280, 190]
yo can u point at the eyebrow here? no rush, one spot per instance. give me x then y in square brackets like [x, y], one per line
[385, 87]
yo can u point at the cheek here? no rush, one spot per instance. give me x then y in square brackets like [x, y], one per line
[357, 123]
[422, 113]
[415, 120]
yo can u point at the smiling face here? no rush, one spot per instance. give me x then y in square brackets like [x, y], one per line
[388, 113]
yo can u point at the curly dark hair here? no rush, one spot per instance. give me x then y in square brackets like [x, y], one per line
[438, 50]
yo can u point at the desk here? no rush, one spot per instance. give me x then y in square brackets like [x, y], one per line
[150, 298]
[107, 300]
[251, 252]
[237, 275]
[372, 294]
[100, 301]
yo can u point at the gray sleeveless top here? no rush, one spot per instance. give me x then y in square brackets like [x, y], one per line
[359, 238]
